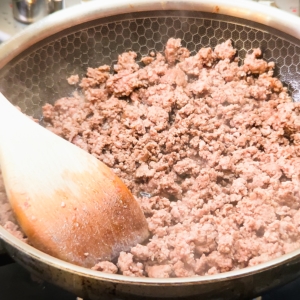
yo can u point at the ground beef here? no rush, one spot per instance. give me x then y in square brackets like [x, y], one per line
[73, 79]
[209, 146]
[106, 266]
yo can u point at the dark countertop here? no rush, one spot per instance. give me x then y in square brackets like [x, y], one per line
[17, 284]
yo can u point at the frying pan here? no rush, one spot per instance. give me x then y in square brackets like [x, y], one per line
[34, 66]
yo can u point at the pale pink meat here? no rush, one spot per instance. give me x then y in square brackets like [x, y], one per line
[174, 52]
[74, 79]
[225, 50]
[253, 64]
[106, 267]
[159, 271]
[209, 147]
[14, 229]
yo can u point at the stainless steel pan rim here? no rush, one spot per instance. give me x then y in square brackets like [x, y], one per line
[59, 21]
[17, 243]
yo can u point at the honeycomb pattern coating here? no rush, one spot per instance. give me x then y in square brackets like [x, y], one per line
[40, 76]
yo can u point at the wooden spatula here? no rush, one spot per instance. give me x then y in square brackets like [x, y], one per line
[68, 203]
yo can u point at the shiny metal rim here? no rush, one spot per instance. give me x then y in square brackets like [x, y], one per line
[81, 13]
[57, 263]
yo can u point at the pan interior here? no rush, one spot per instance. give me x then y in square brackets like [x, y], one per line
[38, 75]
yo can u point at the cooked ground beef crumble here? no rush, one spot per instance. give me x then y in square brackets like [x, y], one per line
[209, 147]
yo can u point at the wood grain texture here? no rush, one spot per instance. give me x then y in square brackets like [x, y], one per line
[68, 203]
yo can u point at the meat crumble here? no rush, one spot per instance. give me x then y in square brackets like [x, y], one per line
[210, 148]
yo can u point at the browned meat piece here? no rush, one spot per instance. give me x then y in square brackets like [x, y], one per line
[209, 147]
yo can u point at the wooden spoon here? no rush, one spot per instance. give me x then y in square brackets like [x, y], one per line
[68, 203]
